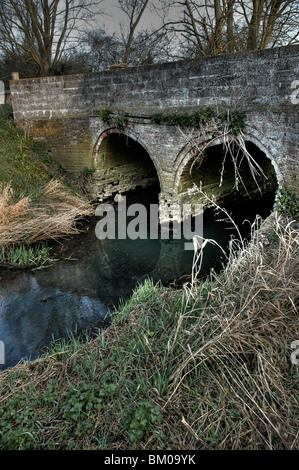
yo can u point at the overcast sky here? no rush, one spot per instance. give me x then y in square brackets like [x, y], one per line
[113, 16]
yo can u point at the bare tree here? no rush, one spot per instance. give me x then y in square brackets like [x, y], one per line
[269, 22]
[212, 27]
[103, 49]
[99, 50]
[150, 47]
[40, 29]
[134, 9]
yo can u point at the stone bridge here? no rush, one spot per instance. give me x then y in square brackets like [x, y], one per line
[103, 122]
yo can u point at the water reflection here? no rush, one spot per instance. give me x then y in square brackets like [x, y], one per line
[31, 314]
[90, 277]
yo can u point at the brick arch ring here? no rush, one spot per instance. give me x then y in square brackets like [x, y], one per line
[185, 155]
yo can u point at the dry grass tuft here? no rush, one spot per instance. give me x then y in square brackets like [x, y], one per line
[241, 345]
[53, 217]
[11, 211]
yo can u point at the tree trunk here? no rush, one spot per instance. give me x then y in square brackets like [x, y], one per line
[218, 39]
[230, 27]
[45, 66]
[133, 26]
[254, 26]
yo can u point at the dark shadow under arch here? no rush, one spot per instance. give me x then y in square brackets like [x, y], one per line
[123, 165]
[209, 168]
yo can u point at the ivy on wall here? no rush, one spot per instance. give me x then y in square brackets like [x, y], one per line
[235, 121]
[287, 202]
[106, 116]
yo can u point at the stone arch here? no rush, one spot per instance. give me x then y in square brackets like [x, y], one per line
[123, 162]
[263, 144]
[186, 157]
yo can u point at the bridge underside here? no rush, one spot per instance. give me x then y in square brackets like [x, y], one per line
[122, 165]
[228, 175]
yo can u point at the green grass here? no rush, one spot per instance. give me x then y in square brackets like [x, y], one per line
[35, 255]
[287, 202]
[27, 169]
[38, 200]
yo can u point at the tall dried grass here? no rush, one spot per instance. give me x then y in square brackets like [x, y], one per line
[53, 217]
[240, 347]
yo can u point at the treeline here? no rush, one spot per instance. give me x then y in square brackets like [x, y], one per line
[54, 37]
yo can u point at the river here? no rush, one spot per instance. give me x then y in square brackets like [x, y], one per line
[90, 276]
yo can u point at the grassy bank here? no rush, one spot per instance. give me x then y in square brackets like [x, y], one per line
[37, 203]
[205, 367]
[23, 165]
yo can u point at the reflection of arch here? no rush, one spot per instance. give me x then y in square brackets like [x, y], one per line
[127, 134]
[186, 157]
[167, 266]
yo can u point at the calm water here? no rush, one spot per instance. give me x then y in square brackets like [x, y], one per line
[89, 279]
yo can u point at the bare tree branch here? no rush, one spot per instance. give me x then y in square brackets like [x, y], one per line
[39, 28]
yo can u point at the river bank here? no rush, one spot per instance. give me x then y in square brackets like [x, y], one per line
[205, 367]
[38, 202]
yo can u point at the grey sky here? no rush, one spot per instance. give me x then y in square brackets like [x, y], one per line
[113, 16]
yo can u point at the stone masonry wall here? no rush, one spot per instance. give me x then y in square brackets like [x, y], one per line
[63, 112]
